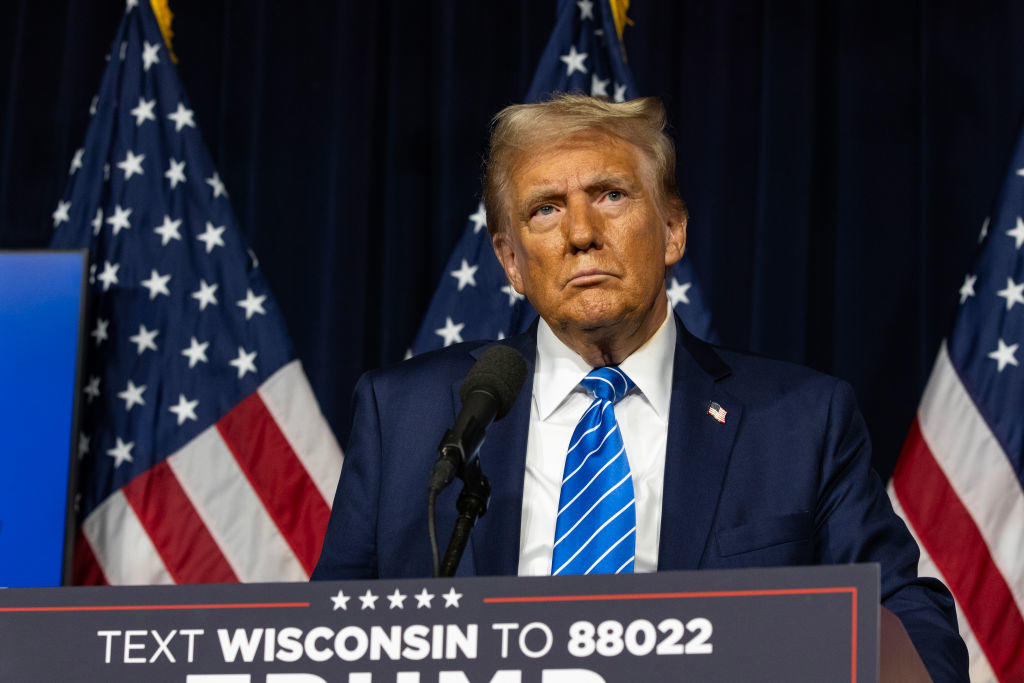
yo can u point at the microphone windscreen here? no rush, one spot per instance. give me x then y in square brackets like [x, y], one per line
[500, 371]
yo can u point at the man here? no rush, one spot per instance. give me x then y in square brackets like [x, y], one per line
[638, 447]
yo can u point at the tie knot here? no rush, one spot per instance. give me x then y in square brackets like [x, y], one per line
[608, 383]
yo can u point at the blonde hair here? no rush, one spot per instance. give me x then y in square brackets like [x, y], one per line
[520, 127]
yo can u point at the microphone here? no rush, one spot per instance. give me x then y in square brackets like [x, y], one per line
[487, 393]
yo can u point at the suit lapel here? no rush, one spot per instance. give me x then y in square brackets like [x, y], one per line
[697, 452]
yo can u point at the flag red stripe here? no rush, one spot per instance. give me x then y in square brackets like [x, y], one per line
[951, 537]
[178, 533]
[85, 570]
[278, 477]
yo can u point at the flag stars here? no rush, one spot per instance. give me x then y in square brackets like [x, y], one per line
[97, 222]
[984, 231]
[206, 294]
[122, 452]
[212, 237]
[144, 339]
[132, 396]
[620, 92]
[396, 600]
[182, 116]
[967, 288]
[217, 185]
[156, 284]
[340, 601]
[479, 218]
[244, 363]
[119, 221]
[586, 9]
[599, 87]
[1017, 233]
[512, 294]
[168, 230]
[677, 293]
[92, 389]
[252, 304]
[451, 332]
[83, 445]
[1004, 355]
[175, 172]
[150, 54]
[60, 214]
[466, 275]
[423, 599]
[574, 61]
[132, 164]
[196, 352]
[451, 598]
[185, 409]
[143, 111]
[109, 275]
[99, 333]
[1014, 293]
[76, 161]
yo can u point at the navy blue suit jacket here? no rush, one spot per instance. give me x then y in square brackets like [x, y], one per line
[786, 480]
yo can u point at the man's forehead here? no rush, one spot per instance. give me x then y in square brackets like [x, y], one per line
[581, 158]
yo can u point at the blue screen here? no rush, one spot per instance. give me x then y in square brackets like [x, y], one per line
[40, 300]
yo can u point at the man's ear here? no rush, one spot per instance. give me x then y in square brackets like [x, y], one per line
[675, 243]
[505, 250]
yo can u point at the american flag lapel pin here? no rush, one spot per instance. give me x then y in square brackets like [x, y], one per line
[716, 411]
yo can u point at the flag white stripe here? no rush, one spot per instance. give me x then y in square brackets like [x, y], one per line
[121, 545]
[290, 400]
[232, 512]
[977, 469]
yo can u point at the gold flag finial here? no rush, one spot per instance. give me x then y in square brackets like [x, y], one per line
[164, 16]
[619, 9]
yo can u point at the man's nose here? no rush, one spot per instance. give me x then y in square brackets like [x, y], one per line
[583, 224]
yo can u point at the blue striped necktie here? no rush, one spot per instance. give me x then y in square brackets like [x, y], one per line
[595, 531]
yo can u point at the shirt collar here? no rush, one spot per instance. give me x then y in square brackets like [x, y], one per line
[560, 369]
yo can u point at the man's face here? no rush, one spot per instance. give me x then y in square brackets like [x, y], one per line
[589, 240]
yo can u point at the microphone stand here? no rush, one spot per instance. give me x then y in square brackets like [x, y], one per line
[471, 505]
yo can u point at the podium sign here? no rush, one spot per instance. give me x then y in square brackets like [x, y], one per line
[792, 624]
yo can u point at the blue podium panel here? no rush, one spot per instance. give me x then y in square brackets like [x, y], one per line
[41, 302]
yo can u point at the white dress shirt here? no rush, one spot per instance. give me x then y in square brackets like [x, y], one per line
[558, 403]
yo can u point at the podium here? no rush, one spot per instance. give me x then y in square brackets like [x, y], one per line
[791, 624]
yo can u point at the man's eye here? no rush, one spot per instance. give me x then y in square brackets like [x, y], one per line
[546, 210]
[615, 195]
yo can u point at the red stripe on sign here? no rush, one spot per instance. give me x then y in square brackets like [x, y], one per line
[85, 570]
[278, 477]
[178, 533]
[951, 537]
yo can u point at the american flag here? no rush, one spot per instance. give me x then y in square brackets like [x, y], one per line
[958, 481]
[204, 456]
[474, 299]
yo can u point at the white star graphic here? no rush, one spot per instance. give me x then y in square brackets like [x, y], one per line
[132, 396]
[122, 452]
[368, 599]
[586, 9]
[92, 389]
[244, 362]
[217, 185]
[466, 275]
[252, 304]
[185, 409]
[212, 236]
[109, 275]
[168, 230]
[196, 352]
[119, 221]
[451, 598]
[479, 218]
[156, 284]
[132, 164]
[574, 61]
[620, 93]
[99, 333]
[1017, 233]
[145, 339]
[397, 600]
[97, 222]
[143, 111]
[677, 292]
[76, 161]
[60, 214]
[1014, 293]
[423, 598]
[149, 55]
[207, 294]
[1004, 355]
[967, 288]
[598, 87]
[340, 601]
[513, 295]
[451, 332]
[83, 445]
[182, 117]
[984, 231]
[175, 172]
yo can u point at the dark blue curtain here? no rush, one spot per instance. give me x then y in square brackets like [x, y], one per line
[838, 158]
